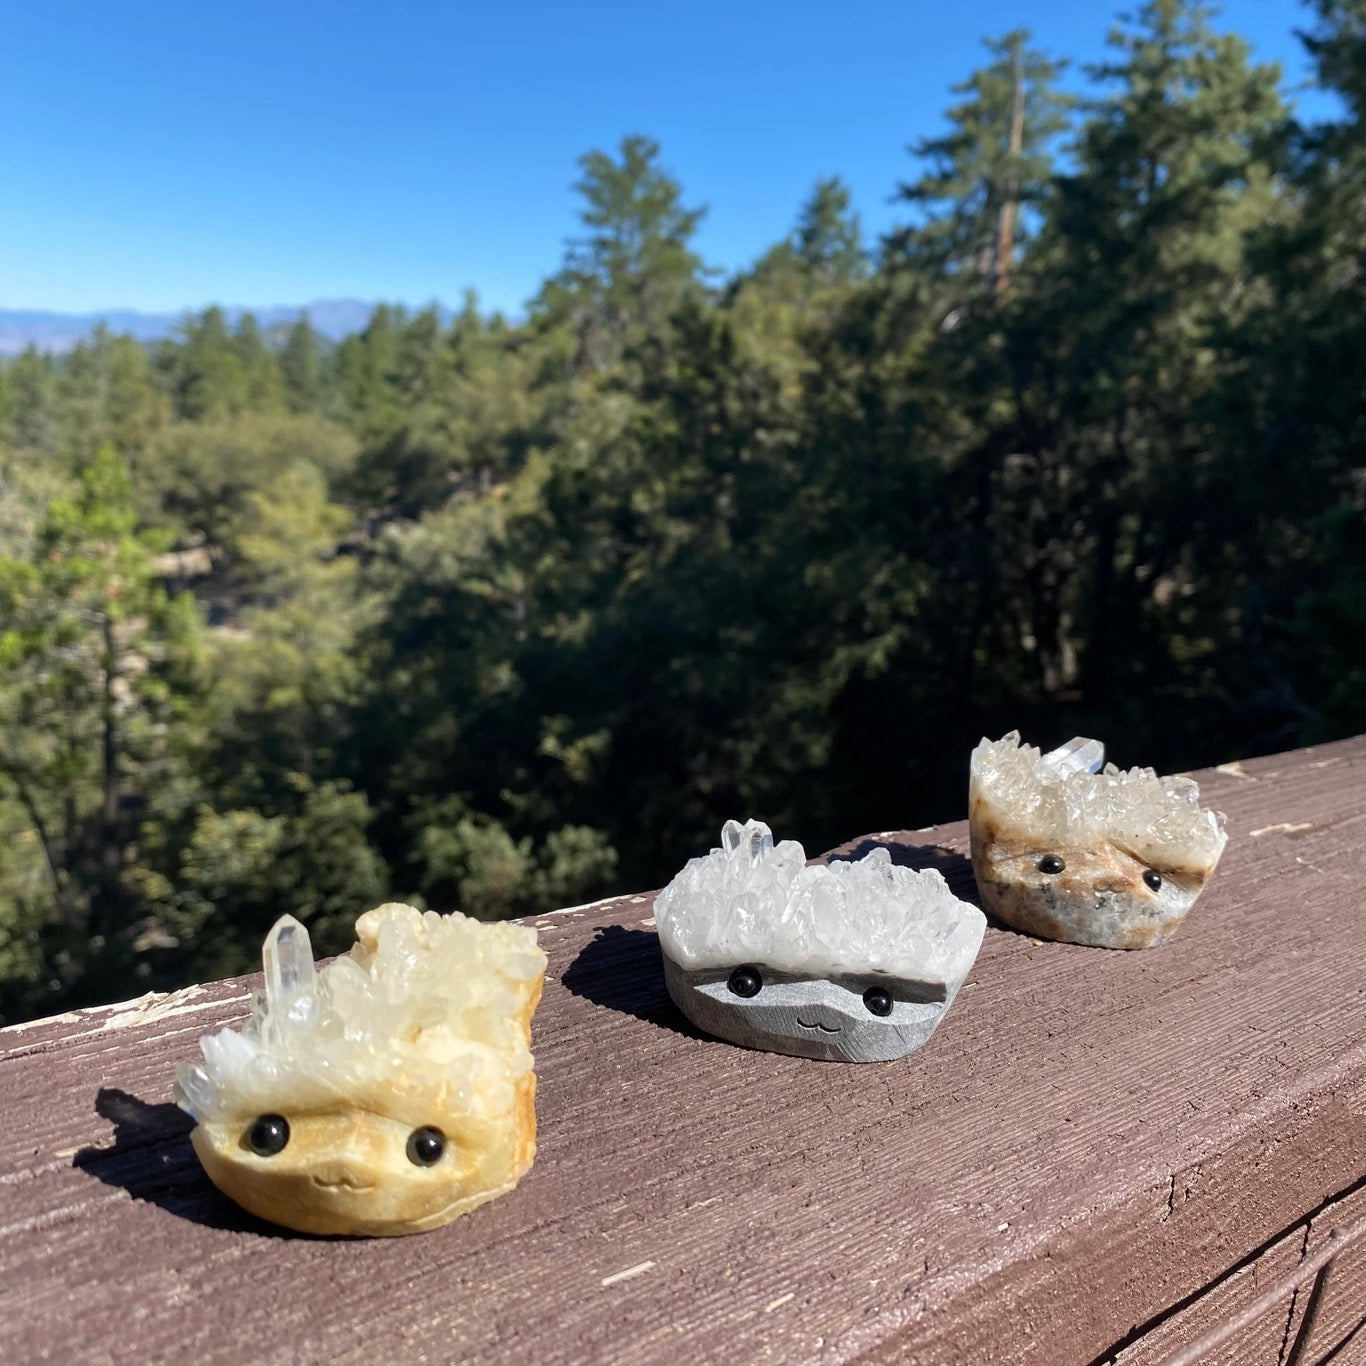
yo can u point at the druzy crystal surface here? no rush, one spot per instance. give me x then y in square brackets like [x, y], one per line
[751, 901]
[1060, 801]
[420, 995]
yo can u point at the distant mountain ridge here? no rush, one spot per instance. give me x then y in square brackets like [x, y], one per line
[58, 332]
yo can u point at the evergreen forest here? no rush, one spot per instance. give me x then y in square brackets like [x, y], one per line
[498, 616]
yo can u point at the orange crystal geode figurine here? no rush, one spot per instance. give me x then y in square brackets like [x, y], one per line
[388, 1092]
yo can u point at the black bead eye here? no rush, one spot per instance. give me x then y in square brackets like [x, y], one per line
[425, 1146]
[1051, 863]
[745, 981]
[268, 1135]
[878, 1000]
[1153, 879]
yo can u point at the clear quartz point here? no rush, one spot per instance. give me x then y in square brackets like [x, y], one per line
[1078, 755]
[195, 1093]
[753, 837]
[290, 976]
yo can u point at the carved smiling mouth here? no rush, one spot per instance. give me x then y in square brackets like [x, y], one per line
[825, 1029]
[344, 1183]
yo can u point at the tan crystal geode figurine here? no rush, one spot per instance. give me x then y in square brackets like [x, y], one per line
[388, 1092]
[1063, 851]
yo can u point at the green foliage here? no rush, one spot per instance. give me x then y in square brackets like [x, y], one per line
[1298, 491]
[491, 875]
[240, 870]
[28, 402]
[97, 662]
[198, 478]
[497, 617]
[214, 372]
[454, 416]
[1120, 368]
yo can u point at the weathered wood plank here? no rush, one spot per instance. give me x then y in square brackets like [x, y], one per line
[1089, 1140]
[1275, 1308]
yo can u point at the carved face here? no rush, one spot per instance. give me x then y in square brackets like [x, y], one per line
[856, 1018]
[380, 1165]
[1101, 894]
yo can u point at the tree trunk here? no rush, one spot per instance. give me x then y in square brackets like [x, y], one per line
[111, 850]
[1005, 236]
[51, 854]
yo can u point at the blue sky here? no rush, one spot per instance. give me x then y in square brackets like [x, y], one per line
[160, 156]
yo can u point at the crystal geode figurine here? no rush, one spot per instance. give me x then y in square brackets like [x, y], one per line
[388, 1092]
[851, 962]
[1064, 850]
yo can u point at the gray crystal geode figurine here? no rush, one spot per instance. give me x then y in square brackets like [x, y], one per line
[1065, 851]
[850, 962]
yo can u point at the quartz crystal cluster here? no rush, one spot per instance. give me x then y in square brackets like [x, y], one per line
[421, 1001]
[752, 901]
[1060, 800]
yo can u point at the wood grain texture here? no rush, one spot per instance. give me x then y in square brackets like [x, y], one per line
[1090, 1141]
[1253, 1316]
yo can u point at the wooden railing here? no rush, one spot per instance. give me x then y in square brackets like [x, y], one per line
[1099, 1157]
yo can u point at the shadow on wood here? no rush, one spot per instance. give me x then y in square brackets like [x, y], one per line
[624, 970]
[151, 1158]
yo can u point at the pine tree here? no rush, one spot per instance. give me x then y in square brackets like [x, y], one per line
[205, 372]
[300, 367]
[828, 238]
[989, 170]
[28, 413]
[264, 385]
[634, 263]
[366, 373]
[109, 394]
